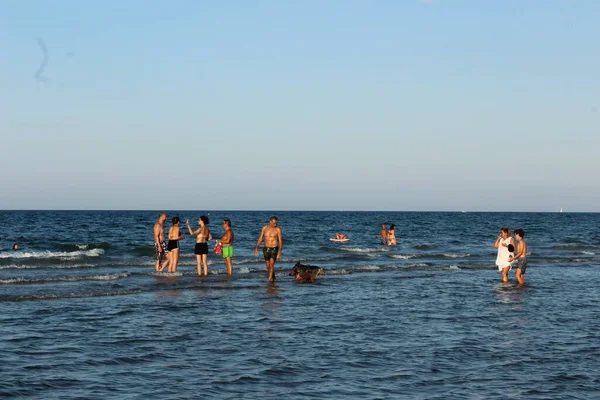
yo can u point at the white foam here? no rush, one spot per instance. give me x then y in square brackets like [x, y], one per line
[368, 268]
[589, 253]
[65, 255]
[454, 268]
[107, 277]
[402, 257]
[457, 255]
[419, 265]
[364, 249]
[336, 272]
[63, 266]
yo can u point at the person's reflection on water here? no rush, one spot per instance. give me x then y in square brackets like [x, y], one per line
[272, 301]
[510, 293]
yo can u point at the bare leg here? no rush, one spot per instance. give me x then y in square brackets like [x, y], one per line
[229, 266]
[205, 262]
[166, 263]
[520, 277]
[505, 274]
[199, 264]
[270, 263]
[175, 259]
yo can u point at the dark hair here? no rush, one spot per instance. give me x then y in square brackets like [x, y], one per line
[520, 232]
[15, 246]
[511, 248]
[505, 230]
[204, 219]
[227, 221]
[176, 220]
[273, 218]
[392, 227]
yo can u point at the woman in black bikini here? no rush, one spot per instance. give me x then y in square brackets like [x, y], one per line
[173, 246]
[201, 250]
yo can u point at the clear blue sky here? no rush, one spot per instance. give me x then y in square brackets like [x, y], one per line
[304, 105]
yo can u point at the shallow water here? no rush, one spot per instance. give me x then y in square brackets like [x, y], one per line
[85, 316]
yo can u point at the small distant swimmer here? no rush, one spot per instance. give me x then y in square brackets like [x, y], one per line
[159, 242]
[503, 261]
[340, 236]
[383, 234]
[521, 256]
[15, 246]
[391, 235]
[273, 246]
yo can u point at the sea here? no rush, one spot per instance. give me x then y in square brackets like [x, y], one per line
[85, 316]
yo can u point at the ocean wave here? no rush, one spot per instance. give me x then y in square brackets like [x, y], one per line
[334, 271]
[367, 268]
[58, 296]
[456, 255]
[63, 255]
[573, 247]
[24, 281]
[69, 247]
[403, 257]
[62, 266]
[587, 253]
[426, 246]
[417, 265]
[364, 249]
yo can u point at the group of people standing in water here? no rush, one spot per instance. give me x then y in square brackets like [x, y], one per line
[167, 253]
[510, 254]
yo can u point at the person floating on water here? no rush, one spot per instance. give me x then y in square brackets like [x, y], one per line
[15, 246]
[273, 238]
[340, 236]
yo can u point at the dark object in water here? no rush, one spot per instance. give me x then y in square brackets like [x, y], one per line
[306, 273]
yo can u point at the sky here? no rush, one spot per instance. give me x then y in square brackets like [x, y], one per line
[403, 105]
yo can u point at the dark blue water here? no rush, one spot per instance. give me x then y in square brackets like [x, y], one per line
[85, 316]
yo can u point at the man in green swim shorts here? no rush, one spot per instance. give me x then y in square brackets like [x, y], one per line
[273, 246]
[227, 243]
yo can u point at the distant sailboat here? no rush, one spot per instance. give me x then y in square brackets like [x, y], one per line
[560, 210]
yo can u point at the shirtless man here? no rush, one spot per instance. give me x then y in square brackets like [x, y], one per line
[273, 246]
[159, 241]
[227, 243]
[383, 235]
[520, 257]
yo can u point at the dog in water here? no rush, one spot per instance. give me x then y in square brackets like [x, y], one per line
[306, 273]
